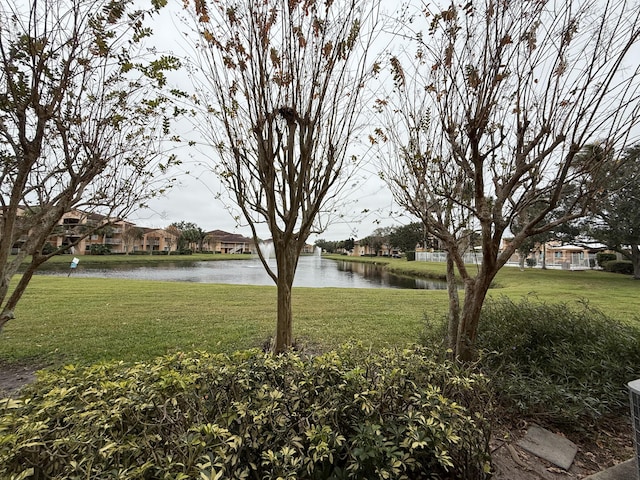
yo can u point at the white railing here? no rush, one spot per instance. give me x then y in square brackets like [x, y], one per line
[442, 257]
[577, 262]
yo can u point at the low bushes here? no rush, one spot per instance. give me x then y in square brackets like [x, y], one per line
[347, 414]
[565, 365]
[618, 266]
[100, 249]
[603, 257]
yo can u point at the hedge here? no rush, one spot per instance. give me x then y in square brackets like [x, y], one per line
[351, 413]
[618, 266]
[566, 365]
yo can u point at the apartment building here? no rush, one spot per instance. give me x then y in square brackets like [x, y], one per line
[155, 240]
[125, 237]
[556, 254]
[219, 241]
[91, 233]
[365, 250]
[104, 235]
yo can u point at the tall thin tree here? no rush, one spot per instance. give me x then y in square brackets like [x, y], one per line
[616, 223]
[281, 85]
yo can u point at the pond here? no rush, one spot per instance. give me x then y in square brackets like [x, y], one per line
[312, 271]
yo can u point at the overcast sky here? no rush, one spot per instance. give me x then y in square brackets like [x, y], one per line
[199, 198]
[194, 199]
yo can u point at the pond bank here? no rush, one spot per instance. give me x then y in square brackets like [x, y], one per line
[432, 271]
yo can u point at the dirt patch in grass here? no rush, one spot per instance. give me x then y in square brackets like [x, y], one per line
[15, 376]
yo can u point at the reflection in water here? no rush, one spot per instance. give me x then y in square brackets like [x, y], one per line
[312, 271]
[375, 273]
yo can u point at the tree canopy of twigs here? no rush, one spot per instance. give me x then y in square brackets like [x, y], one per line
[82, 121]
[279, 88]
[492, 105]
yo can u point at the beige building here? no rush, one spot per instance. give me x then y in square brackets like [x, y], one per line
[365, 250]
[155, 240]
[555, 254]
[219, 241]
[565, 256]
[108, 236]
[95, 233]
[75, 224]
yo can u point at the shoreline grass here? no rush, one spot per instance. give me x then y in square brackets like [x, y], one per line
[145, 259]
[86, 320]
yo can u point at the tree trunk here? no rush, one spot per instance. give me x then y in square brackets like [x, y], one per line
[7, 311]
[475, 293]
[284, 327]
[287, 261]
[454, 305]
[635, 260]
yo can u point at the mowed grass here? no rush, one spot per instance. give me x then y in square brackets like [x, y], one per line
[85, 320]
[615, 294]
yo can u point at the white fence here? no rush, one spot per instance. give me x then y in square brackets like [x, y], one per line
[578, 262]
[442, 257]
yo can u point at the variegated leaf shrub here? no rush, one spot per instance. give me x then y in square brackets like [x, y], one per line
[351, 413]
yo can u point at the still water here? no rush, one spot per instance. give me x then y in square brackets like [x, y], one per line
[312, 271]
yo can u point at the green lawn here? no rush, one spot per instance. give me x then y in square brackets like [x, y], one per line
[618, 295]
[84, 320]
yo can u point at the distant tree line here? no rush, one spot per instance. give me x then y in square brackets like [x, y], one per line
[338, 246]
[404, 238]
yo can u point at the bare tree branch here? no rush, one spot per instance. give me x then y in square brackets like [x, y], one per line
[82, 121]
[490, 120]
[280, 86]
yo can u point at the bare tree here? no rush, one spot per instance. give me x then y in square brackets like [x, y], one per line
[489, 121]
[174, 235]
[130, 236]
[81, 121]
[281, 85]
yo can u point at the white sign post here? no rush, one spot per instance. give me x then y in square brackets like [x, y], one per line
[74, 264]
